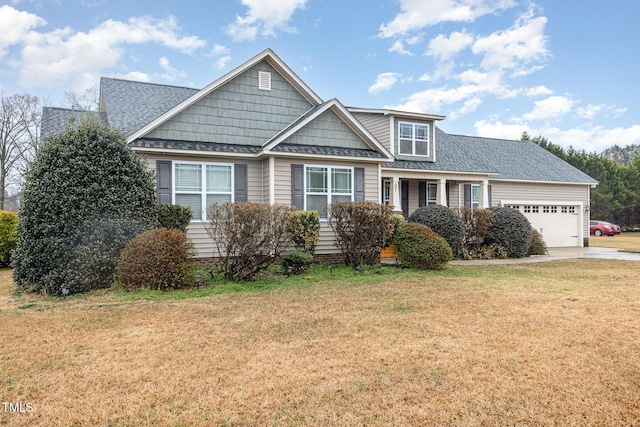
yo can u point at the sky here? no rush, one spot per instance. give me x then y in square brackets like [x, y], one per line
[563, 69]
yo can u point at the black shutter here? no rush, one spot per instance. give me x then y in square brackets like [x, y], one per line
[489, 189]
[422, 194]
[297, 186]
[358, 184]
[467, 195]
[240, 183]
[404, 198]
[446, 186]
[163, 174]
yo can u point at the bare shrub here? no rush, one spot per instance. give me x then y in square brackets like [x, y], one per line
[249, 236]
[361, 230]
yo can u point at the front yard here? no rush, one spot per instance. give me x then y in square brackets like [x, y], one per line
[553, 343]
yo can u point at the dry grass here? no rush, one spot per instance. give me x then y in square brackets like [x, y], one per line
[552, 343]
[626, 241]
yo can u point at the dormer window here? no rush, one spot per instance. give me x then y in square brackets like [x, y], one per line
[413, 139]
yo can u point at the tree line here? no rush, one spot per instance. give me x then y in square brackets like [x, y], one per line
[617, 196]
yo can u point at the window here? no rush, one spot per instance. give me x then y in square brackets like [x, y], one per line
[535, 209]
[527, 209]
[554, 209]
[327, 184]
[199, 185]
[572, 209]
[432, 194]
[475, 195]
[546, 209]
[413, 139]
[564, 209]
[516, 207]
[386, 192]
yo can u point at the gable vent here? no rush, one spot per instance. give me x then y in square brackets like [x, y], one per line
[264, 80]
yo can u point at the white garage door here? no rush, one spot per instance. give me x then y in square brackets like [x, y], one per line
[558, 224]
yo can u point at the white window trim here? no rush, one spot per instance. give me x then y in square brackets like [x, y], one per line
[203, 192]
[328, 193]
[429, 201]
[478, 202]
[413, 139]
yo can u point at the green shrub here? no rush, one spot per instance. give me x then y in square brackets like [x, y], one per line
[537, 246]
[511, 229]
[94, 258]
[296, 262]
[361, 230]
[444, 221]
[159, 259]
[420, 247]
[249, 236]
[8, 236]
[175, 217]
[87, 174]
[491, 251]
[304, 227]
[396, 221]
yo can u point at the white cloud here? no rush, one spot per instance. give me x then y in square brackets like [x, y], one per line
[550, 108]
[514, 48]
[398, 47]
[445, 48]
[264, 17]
[469, 106]
[65, 57]
[135, 75]
[582, 138]
[384, 81]
[418, 14]
[538, 91]
[221, 56]
[170, 73]
[15, 26]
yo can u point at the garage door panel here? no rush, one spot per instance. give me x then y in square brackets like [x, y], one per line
[558, 224]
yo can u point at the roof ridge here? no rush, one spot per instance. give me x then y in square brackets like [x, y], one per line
[77, 110]
[149, 83]
[482, 137]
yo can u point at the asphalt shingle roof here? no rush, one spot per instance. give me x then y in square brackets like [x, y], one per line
[56, 120]
[503, 159]
[332, 151]
[197, 146]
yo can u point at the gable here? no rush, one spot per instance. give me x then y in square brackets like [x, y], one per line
[238, 112]
[328, 130]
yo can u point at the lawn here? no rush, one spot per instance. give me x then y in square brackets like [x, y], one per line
[625, 241]
[554, 343]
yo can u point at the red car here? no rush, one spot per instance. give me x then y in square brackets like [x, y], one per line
[598, 228]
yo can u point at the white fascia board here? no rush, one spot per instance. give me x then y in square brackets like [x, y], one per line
[484, 175]
[591, 184]
[397, 113]
[268, 55]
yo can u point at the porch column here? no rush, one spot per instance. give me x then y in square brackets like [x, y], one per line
[395, 194]
[441, 196]
[484, 194]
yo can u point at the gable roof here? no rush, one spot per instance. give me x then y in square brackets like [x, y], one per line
[313, 113]
[56, 120]
[267, 55]
[500, 158]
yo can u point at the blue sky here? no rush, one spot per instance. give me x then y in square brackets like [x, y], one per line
[564, 69]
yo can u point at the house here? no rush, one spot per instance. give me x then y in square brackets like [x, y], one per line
[259, 133]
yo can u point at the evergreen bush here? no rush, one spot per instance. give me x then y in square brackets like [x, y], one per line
[538, 245]
[444, 221]
[8, 236]
[174, 216]
[512, 230]
[420, 247]
[159, 259]
[304, 227]
[296, 262]
[88, 174]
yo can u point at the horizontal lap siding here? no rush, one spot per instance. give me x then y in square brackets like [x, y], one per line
[283, 191]
[196, 230]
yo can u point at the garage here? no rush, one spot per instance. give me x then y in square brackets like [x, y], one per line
[559, 224]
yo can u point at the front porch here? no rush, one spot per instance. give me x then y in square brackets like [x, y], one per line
[407, 191]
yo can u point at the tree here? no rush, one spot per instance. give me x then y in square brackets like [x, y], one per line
[20, 117]
[85, 196]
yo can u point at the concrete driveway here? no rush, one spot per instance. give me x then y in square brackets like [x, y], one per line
[560, 253]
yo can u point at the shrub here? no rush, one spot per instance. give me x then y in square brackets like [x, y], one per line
[396, 221]
[537, 246]
[89, 173]
[511, 229]
[159, 259]
[249, 236]
[96, 254]
[304, 227]
[296, 262]
[175, 217]
[361, 230]
[476, 223]
[420, 247]
[8, 236]
[444, 221]
[492, 251]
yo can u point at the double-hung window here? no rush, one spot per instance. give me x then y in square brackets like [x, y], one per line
[199, 185]
[327, 184]
[413, 139]
[432, 194]
[475, 195]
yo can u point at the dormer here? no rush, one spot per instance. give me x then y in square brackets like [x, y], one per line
[408, 136]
